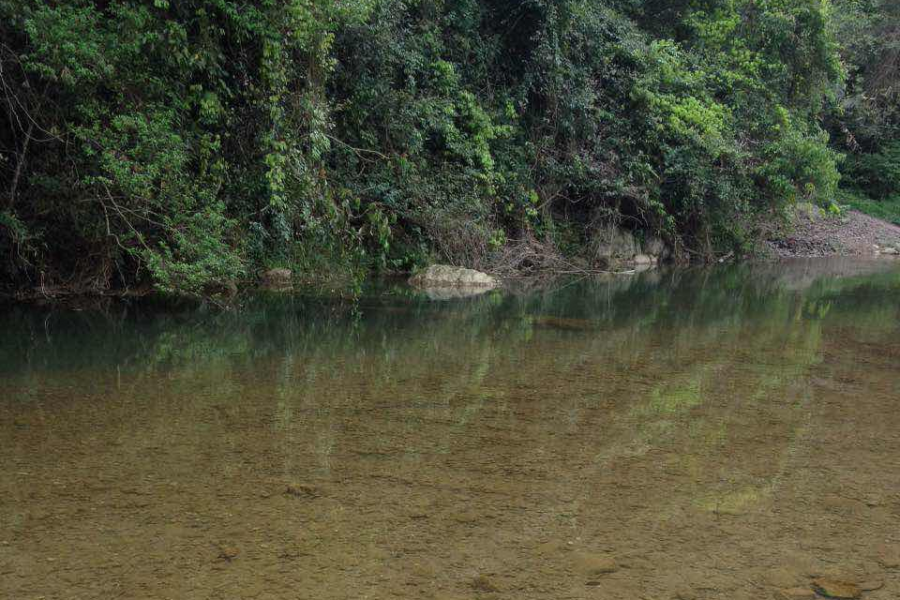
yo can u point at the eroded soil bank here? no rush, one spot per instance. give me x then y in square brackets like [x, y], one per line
[813, 233]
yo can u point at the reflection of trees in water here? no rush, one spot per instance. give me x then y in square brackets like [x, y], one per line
[139, 337]
[653, 351]
[700, 376]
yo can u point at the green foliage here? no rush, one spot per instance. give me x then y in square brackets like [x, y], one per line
[192, 143]
[887, 209]
[878, 173]
[865, 123]
[800, 167]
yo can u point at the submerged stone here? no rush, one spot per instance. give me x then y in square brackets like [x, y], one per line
[833, 588]
[483, 583]
[302, 490]
[228, 553]
[593, 565]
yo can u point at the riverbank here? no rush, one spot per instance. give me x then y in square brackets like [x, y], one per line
[812, 232]
[809, 233]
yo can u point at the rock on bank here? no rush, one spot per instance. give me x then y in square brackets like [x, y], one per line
[447, 276]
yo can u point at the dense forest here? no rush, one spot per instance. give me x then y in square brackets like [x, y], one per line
[190, 144]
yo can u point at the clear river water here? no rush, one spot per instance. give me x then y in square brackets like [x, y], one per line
[728, 433]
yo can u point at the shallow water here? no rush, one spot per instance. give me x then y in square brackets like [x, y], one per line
[722, 433]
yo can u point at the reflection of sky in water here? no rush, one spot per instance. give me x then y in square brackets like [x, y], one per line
[679, 420]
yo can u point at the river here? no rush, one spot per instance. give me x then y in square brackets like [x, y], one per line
[727, 433]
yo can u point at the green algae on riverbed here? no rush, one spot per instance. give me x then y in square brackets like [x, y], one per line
[727, 433]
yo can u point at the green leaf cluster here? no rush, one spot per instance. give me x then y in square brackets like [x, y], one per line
[190, 144]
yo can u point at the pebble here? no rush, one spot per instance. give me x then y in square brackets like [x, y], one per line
[550, 548]
[467, 517]
[483, 583]
[593, 565]
[302, 490]
[833, 588]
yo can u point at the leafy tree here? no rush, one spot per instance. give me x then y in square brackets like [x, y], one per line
[189, 144]
[866, 121]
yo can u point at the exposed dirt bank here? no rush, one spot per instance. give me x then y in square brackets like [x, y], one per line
[814, 233]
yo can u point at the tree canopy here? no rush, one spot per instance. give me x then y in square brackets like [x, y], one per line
[188, 144]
